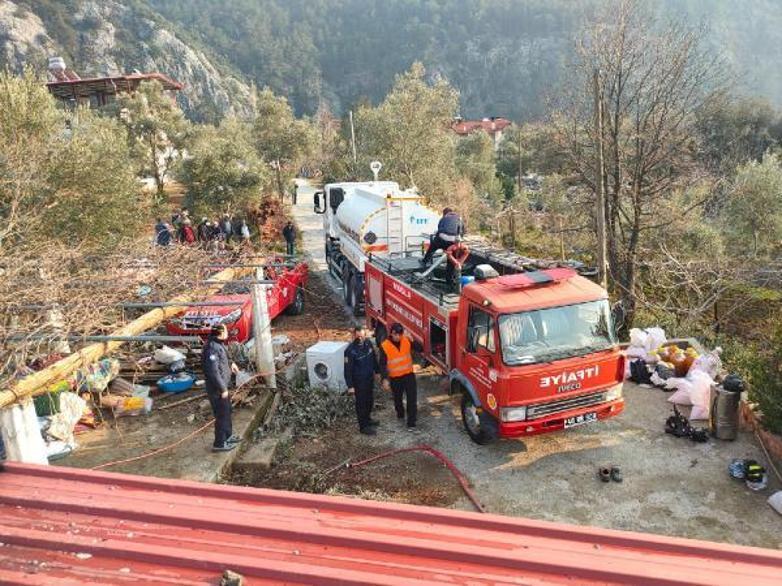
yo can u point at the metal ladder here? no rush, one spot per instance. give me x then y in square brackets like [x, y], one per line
[395, 226]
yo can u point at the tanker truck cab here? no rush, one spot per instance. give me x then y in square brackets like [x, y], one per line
[537, 354]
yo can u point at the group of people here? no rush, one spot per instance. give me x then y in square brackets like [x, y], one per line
[207, 232]
[391, 363]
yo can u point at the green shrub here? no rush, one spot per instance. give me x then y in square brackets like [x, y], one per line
[761, 366]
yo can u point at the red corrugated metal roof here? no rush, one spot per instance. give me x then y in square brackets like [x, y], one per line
[67, 526]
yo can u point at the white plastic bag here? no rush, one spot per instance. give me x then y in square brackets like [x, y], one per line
[655, 337]
[166, 355]
[683, 394]
[775, 500]
[638, 338]
[700, 395]
[709, 363]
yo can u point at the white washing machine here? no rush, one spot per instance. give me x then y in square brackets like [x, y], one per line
[326, 365]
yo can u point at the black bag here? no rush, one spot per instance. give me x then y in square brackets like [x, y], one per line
[639, 373]
[733, 383]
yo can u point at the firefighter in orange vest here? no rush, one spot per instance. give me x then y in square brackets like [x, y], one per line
[396, 369]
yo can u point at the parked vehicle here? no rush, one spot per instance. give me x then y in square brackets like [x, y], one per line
[286, 295]
[528, 345]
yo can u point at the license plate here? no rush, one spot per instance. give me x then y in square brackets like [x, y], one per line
[580, 419]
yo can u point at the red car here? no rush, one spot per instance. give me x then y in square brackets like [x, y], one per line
[287, 294]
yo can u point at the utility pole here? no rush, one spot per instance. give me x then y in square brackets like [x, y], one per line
[262, 332]
[602, 252]
[353, 139]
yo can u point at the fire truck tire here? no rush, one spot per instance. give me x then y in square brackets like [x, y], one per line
[346, 283]
[356, 290]
[297, 305]
[474, 424]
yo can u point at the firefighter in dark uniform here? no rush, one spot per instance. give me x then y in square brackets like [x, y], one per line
[217, 369]
[450, 229]
[396, 369]
[360, 370]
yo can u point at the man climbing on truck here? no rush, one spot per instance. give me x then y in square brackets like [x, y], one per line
[396, 369]
[449, 229]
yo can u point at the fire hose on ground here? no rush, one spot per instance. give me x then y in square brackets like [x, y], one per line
[457, 474]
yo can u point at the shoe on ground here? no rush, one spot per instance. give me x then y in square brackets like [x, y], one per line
[616, 474]
[374, 422]
[369, 430]
[412, 429]
[226, 447]
[234, 439]
[604, 473]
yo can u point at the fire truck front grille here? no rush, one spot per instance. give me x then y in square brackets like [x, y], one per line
[554, 407]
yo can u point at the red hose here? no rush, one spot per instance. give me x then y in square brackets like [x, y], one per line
[437, 454]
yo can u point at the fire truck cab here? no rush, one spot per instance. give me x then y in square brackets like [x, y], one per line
[529, 345]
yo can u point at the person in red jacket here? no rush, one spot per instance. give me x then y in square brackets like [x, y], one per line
[187, 234]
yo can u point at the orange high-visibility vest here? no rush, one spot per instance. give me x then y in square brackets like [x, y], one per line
[398, 360]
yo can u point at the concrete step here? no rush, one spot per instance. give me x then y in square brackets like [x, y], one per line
[260, 455]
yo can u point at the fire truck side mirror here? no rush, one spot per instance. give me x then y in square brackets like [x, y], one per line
[319, 203]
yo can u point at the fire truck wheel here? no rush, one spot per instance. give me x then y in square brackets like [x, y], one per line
[472, 421]
[297, 306]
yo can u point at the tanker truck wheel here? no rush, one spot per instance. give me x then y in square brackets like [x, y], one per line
[346, 283]
[333, 266]
[356, 291]
[475, 423]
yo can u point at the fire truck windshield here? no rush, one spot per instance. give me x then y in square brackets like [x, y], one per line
[554, 333]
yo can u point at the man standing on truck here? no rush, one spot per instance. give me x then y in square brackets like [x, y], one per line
[217, 369]
[449, 229]
[396, 369]
[360, 370]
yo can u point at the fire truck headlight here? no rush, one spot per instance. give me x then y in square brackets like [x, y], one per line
[513, 413]
[614, 393]
[231, 317]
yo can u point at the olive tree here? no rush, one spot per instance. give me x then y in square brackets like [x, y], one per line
[223, 170]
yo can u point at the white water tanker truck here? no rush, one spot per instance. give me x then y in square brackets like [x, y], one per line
[369, 218]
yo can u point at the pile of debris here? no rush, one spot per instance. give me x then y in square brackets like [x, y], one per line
[308, 410]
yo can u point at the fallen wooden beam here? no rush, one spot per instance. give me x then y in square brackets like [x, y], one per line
[38, 382]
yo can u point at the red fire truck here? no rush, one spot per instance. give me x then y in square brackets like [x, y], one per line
[528, 344]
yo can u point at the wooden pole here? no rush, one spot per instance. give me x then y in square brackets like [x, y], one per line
[353, 140]
[262, 332]
[38, 382]
[602, 252]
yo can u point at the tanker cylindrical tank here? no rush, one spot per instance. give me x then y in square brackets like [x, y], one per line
[381, 225]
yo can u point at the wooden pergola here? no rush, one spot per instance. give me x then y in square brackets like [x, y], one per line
[99, 91]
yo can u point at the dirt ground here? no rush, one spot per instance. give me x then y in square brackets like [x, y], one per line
[322, 318]
[318, 465]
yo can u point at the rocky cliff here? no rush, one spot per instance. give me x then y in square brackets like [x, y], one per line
[109, 37]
